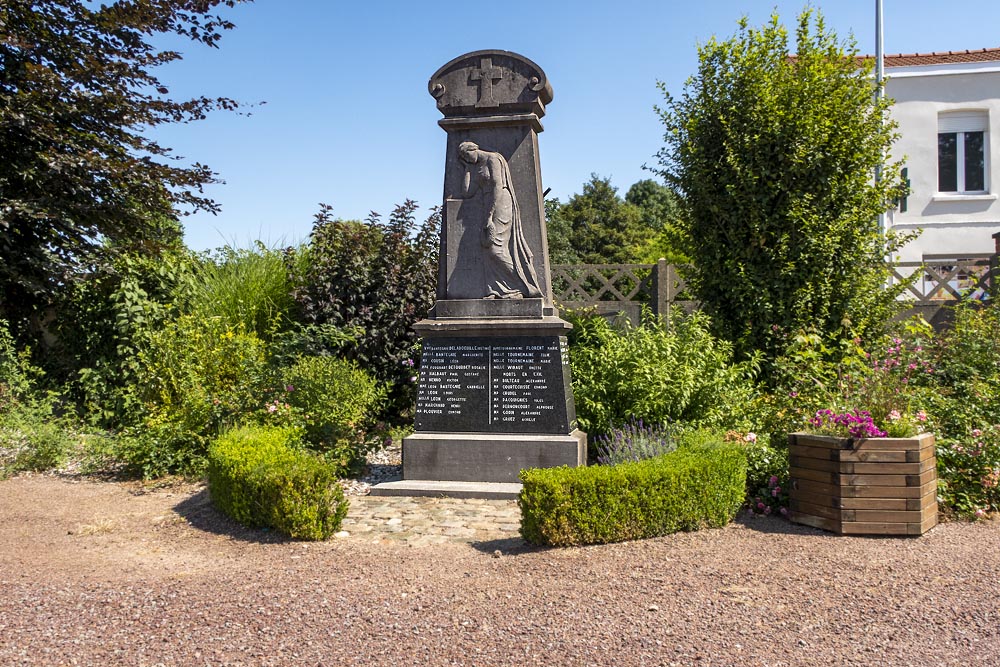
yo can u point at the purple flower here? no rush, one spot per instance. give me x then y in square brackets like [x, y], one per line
[289, 387]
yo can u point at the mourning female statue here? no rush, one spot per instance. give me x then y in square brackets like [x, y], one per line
[507, 258]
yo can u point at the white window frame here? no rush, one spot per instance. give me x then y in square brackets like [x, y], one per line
[961, 123]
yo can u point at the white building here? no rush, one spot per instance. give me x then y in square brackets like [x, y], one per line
[948, 109]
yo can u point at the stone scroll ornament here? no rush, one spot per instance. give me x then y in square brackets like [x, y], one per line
[507, 267]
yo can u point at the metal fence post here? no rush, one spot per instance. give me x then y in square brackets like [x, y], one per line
[995, 270]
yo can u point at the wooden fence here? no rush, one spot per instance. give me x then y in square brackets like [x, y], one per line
[625, 288]
[620, 288]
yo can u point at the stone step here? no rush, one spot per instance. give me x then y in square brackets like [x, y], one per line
[448, 489]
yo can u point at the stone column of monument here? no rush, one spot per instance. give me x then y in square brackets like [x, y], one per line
[494, 394]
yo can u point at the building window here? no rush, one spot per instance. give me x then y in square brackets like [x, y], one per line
[962, 154]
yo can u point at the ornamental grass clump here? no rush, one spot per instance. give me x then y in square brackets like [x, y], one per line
[634, 441]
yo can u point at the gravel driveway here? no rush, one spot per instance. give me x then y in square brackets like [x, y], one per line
[112, 574]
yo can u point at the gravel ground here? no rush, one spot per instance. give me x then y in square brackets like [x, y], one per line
[118, 574]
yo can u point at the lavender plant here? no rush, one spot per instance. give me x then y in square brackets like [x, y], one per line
[635, 441]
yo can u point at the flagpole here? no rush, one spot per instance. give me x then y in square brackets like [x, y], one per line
[879, 90]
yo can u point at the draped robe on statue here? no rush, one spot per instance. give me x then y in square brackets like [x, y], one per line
[507, 266]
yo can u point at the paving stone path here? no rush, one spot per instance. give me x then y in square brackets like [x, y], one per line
[421, 521]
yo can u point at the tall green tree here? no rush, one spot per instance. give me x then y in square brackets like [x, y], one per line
[559, 234]
[773, 155]
[78, 95]
[659, 209]
[601, 227]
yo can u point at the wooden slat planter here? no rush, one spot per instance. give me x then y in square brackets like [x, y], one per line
[874, 486]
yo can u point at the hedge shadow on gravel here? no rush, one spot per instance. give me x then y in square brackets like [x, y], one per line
[201, 514]
[774, 525]
[507, 546]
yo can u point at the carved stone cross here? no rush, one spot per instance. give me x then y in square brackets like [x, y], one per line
[486, 75]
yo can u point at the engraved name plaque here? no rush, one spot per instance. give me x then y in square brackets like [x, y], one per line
[515, 385]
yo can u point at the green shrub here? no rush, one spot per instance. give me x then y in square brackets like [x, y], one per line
[963, 391]
[196, 378]
[765, 461]
[32, 444]
[15, 382]
[657, 373]
[685, 490]
[378, 278]
[104, 318]
[969, 472]
[261, 477]
[335, 402]
[31, 436]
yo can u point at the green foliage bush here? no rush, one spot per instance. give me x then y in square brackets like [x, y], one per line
[841, 376]
[379, 279]
[685, 490]
[260, 476]
[336, 402]
[196, 378]
[103, 320]
[33, 442]
[656, 373]
[969, 472]
[32, 437]
[764, 461]
[963, 391]
[773, 157]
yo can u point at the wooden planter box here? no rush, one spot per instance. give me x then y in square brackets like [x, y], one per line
[873, 486]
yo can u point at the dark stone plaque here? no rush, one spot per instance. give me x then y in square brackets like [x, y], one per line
[514, 384]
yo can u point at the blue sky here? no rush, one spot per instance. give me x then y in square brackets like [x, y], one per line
[348, 120]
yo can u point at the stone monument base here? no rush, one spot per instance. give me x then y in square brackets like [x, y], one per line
[488, 457]
[444, 489]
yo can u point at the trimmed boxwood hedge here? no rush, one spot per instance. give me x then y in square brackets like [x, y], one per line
[684, 490]
[258, 476]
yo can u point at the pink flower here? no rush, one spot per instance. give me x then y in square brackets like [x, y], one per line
[775, 491]
[980, 513]
[976, 433]
[922, 416]
[773, 481]
[289, 387]
[271, 407]
[767, 510]
[761, 506]
[784, 511]
[894, 415]
[750, 437]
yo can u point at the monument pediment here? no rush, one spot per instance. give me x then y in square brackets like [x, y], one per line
[489, 82]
